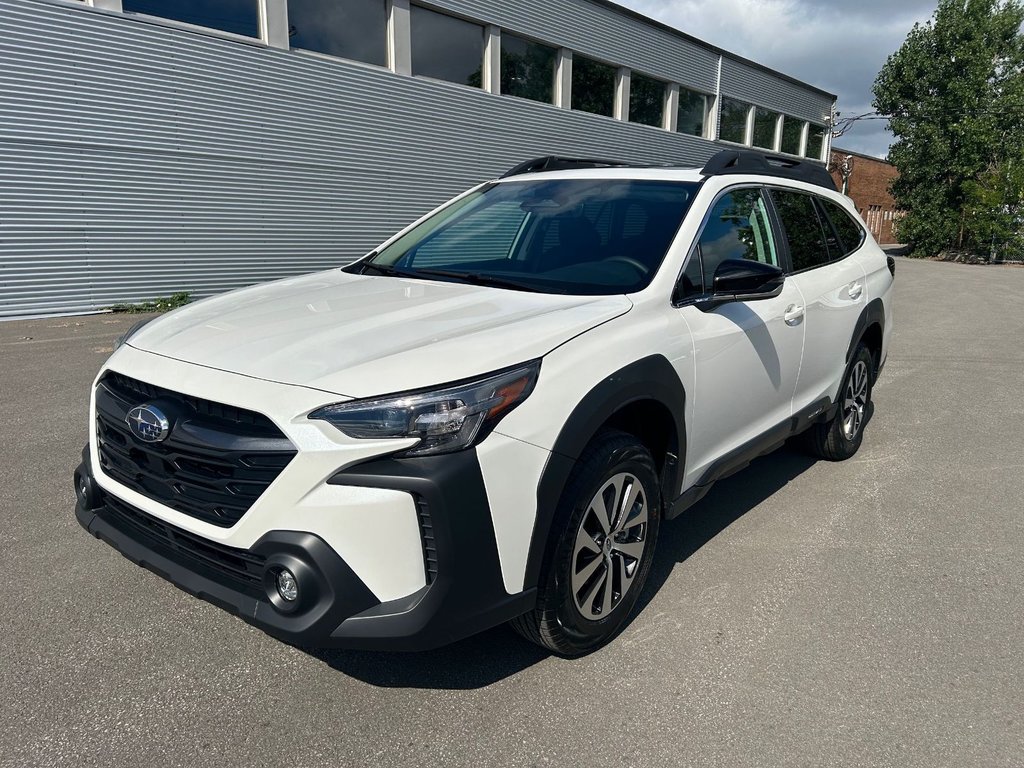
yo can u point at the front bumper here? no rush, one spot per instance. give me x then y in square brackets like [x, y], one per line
[465, 593]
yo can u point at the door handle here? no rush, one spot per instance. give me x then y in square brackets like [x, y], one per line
[855, 290]
[793, 314]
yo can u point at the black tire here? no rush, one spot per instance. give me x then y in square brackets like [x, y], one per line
[834, 440]
[558, 623]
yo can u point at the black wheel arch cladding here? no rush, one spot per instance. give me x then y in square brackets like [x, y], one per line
[872, 314]
[652, 378]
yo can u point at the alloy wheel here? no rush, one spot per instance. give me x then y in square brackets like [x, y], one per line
[609, 546]
[855, 402]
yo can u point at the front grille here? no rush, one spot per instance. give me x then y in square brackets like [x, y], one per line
[238, 568]
[214, 464]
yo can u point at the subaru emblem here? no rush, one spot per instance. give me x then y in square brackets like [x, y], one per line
[148, 423]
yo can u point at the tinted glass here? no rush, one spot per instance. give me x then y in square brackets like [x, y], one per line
[733, 122]
[792, 129]
[593, 86]
[579, 236]
[737, 228]
[835, 246]
[355, 29]
[446, 48]
[807, 247]
[646, 100]
[692, 112]
[815, 142]
[765, 122]
[527, 69]
[849, 231]
[238, 16]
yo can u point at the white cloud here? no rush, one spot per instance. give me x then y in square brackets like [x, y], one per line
[838, 45]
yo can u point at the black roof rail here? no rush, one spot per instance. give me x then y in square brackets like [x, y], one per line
[735, 161]
[555, 163]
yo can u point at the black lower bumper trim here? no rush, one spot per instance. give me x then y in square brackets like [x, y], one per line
[335, 608]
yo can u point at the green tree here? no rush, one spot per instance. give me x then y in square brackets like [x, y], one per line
[954, 96]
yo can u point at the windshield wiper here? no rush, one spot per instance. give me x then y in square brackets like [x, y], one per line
[495, 281]
[475, 278]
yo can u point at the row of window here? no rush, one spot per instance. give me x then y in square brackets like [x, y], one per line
[817, 231]
[452, 49]
[743, 123]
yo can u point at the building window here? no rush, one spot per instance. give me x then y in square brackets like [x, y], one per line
[646, 100]
[733, 123]
[593, 86]
[815, 141]
[240, 17]
[527, 69]
[446, 48]
[356, 29]
[693, 112]
[765, 124]
[792, 131]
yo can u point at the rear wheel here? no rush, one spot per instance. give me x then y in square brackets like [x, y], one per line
[606, 527]
[840, 438]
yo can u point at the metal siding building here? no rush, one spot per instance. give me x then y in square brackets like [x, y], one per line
[140, 157]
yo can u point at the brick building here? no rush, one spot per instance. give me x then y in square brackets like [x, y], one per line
[868, 187]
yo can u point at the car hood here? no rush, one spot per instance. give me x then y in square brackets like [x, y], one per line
[359, 336]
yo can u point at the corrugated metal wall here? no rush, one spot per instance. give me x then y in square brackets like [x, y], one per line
[756, 86]
[137, 160]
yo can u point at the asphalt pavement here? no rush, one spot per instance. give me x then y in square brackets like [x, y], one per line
[867, 613]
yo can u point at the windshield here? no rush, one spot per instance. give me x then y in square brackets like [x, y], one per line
[573, 236]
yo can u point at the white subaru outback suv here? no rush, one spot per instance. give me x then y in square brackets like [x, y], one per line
[488, 418]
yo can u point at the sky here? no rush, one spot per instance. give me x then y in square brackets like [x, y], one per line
[837, 45]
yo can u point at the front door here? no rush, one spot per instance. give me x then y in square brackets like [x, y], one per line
[746, 355]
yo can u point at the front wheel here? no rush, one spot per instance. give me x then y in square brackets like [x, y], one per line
[606, 527]
[840, 438]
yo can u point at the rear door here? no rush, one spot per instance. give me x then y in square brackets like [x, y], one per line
[832, 292]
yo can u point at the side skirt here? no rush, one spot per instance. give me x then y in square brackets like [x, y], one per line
[740, 458]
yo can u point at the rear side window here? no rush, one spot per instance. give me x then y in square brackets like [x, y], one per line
[805, 233]
[848, 230]
[737, 228]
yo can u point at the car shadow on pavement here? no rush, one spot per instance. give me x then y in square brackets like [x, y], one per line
[492, 656]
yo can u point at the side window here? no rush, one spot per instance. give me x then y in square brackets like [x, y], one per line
[835, 246]
[737, 228]
[488, 235]
[849, 231]
[804, 231]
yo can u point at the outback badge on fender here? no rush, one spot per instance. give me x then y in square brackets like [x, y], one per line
[148, 423]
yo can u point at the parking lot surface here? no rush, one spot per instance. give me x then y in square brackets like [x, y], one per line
[868, 613]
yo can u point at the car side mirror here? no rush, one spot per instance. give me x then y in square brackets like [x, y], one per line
[744, 280]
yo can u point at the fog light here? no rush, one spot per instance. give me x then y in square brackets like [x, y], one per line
[287, 586]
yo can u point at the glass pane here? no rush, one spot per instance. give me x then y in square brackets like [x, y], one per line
[527, 69]
[737, 228]
[692, 112]
[791, 132]
[733, 123]
[765, 122]
[447, 48]
[487, 236]
[593, 86]
[577, 236]
[850, 231]
[807, 247]
[356, 29]
[815, 142]
[646, 100]
[238, 16]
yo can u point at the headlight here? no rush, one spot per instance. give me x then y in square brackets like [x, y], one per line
[130, 332]
[444, 420]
